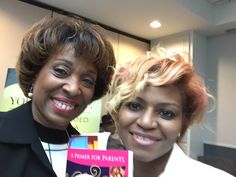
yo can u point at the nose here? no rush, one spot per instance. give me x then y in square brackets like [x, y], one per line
[148, 120]
[72, 86]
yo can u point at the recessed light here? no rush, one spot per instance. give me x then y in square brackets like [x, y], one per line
[155, 24]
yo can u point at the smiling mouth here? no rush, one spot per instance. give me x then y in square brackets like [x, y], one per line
[63, 106]
[144, 140]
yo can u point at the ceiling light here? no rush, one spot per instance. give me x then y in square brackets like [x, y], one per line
[155, 24]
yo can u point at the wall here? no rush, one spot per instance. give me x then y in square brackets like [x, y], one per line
[204, 131]
[14, 21]
[221, 74]
[215, 59]
[173, 43]
[126, 48]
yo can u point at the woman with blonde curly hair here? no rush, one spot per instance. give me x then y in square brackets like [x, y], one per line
[153, 102]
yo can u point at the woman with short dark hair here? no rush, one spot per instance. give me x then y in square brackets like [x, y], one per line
[65, 63]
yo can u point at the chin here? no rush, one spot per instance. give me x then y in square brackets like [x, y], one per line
[143, 158]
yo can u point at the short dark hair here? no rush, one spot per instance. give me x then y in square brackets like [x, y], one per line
[107, 119]
[45, 36]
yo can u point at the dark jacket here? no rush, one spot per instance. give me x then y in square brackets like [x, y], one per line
[21, 152]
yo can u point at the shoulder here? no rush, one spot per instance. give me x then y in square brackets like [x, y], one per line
[72, 131]
[2, 114]
[16, 115]
[24, 109]
[6, 116]
[204, 169]
[184, 166]
[17, 125]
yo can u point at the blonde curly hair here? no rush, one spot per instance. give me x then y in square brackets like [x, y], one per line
[131, 79]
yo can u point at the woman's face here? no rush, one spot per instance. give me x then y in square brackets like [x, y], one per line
[63, 88]
[149, 124]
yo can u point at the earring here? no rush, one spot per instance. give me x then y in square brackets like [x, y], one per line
[30, 93]
[179, 135]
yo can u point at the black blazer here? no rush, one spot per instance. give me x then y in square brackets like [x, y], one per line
[21, 152]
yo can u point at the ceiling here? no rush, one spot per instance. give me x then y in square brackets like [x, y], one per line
[209, 17]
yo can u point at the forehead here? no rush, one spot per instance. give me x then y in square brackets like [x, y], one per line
[67, 55]
[162, 94]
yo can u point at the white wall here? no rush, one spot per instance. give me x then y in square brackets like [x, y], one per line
[205, 130]
[221, 74]
[15, 18]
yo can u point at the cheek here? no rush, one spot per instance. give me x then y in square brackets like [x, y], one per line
[180, 126]
[124, 118]
[122, 122]
[171, 129]
[88, 94]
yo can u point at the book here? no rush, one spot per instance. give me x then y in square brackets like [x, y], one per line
[85, 159]
[96, 140]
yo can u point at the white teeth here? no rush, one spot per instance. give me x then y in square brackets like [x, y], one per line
[63, 105]
[143, 139]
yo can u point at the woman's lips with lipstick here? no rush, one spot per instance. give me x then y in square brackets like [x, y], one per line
[64, 105]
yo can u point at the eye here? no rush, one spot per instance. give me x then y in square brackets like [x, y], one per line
[166, 114]
[134, 106]
[89, 81]
[61, 71]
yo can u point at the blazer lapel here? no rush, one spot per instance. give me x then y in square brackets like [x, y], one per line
[17, 127]
[40, 153]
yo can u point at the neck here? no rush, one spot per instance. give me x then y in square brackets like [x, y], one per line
[50, 135]
[154, 168]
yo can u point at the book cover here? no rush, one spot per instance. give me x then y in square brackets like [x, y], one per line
[85, 159]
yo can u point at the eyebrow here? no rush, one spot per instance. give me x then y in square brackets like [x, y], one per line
[92, 72]
[71, 64]
[164, 104]
[64, 60]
